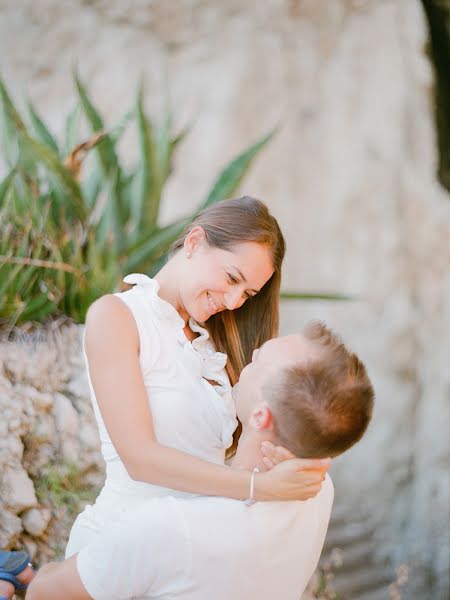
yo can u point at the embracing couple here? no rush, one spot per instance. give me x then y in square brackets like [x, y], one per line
[186, 371]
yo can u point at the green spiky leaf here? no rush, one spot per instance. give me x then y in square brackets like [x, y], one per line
[145, 207]
[152, 248]
[315, 296]
[5, 186]
[61, 176]
[105, 148]
[12, 123]
[71, 129]
[232, 175]
[41, 130]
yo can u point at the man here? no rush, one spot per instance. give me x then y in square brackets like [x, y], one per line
[306, 392]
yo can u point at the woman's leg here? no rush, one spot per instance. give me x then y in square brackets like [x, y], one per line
[84, 530]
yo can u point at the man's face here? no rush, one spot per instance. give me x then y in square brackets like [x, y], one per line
[268, 361]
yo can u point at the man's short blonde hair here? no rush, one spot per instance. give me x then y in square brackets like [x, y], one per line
[323, 406]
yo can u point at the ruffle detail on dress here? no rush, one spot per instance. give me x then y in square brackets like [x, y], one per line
[140, 279]
[160, 307]
[210, 365]
[213, 362]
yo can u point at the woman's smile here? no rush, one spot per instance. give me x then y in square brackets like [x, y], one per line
[212, 303]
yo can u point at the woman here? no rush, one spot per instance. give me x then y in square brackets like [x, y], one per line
[158, 380]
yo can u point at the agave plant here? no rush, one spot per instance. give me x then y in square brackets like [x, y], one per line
[68, 234]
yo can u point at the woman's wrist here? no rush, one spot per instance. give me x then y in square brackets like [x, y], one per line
[261, 492]
[251, 493]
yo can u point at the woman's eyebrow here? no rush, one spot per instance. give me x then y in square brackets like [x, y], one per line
[243, 278]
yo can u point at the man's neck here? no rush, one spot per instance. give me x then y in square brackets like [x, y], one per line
[248, 454]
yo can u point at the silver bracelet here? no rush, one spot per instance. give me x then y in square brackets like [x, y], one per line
[251, 500]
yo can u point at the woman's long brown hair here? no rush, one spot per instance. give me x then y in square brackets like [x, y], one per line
[239, 332]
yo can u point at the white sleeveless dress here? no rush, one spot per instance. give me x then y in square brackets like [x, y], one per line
[189, 413]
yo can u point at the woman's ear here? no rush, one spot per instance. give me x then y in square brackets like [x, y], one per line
[261, 418]
[194, 240]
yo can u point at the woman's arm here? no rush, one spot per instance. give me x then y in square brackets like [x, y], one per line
[112, 348]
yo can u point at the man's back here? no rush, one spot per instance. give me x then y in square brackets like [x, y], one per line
[265, 551]
[210, 549]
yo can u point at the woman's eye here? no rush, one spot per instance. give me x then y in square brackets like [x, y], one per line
[233, 280]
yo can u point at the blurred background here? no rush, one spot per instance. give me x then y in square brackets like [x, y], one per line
[336, 114]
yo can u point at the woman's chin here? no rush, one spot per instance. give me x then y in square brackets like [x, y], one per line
[201, 311]
[200, 315]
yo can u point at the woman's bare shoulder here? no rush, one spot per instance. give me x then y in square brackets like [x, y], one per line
[109, 319]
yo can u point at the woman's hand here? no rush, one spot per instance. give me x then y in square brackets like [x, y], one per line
[273, 455]
[292, 479]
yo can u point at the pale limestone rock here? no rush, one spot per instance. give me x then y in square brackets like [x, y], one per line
[42, 401]
[89, 437]
[5, 384]
[90, 456]
[14, 423]
[30, 546]
[22, 368]
[37, 414]
[44, 429]
[17, 489]
[10, 528]
[45, 454]
[15, 447]
[4, 443]
[66, 416]
[67, 425]
[70, 450]
[78, 386]
[35, 520]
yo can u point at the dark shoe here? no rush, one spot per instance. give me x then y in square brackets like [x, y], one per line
[11, 564]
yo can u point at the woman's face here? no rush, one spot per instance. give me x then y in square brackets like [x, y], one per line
[215, 280]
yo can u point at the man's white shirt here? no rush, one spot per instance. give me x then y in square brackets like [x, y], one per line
[208, 548]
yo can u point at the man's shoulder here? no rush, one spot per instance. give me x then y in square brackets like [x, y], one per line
[327, 490]
[323, 501]
[320, 505]
[325, 498]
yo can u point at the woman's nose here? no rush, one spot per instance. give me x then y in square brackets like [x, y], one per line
[233, 299]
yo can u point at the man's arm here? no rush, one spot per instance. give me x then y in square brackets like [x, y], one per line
[56, 581]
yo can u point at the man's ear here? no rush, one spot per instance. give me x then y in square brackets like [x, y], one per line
[194, 239]
[261, 418]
